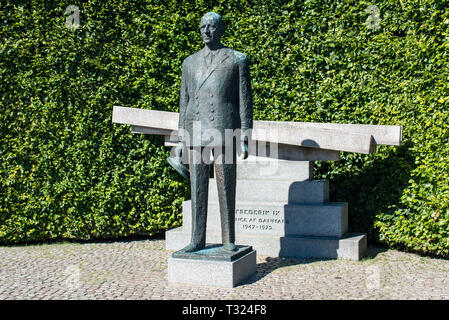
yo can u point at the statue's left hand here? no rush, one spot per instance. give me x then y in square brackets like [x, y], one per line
[244, 149]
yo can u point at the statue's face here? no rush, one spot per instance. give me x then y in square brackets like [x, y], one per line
[210, 31]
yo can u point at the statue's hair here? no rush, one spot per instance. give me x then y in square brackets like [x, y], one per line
[216, 17]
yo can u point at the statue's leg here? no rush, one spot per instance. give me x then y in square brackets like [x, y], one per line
[199, 184]
[225, 174]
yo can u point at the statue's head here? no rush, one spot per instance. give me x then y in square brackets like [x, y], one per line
[211, 28]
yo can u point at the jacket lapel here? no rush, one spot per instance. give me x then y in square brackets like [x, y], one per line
[219, 59]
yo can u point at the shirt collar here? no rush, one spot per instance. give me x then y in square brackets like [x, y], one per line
[207, 51]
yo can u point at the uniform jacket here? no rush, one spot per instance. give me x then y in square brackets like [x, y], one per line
[215, 95]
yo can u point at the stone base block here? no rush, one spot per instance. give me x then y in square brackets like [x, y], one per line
[215, 273]
[274, 169]
[351, 246]
[278, 219]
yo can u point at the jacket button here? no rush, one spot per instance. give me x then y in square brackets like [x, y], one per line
[212, 110]
[211, 118]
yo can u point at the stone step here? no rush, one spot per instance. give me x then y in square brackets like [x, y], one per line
[274, 169]
[351, 246]
[277, 219]
[297, 192]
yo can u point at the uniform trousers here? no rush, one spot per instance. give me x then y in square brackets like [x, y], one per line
[225, 175]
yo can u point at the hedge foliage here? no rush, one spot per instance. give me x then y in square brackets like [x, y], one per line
[67, 172]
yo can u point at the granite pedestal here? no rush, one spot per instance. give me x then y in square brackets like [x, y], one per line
[280, 211]
[212, 266]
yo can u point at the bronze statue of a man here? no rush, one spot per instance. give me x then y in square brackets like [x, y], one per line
[215, 98]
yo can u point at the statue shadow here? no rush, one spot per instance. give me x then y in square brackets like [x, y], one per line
[374, 187]
[276, 264]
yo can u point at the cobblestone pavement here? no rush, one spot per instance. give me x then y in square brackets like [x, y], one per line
[138, 270]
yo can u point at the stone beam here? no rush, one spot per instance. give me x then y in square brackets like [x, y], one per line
[382, 134]
[327, 136]
[286, 133]
[145, 118]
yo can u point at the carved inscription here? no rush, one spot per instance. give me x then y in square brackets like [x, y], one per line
[257, 220]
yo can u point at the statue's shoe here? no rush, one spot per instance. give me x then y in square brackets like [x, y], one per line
[229, 246]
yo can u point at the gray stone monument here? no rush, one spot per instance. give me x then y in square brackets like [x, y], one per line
[280, 209]
[268, 201]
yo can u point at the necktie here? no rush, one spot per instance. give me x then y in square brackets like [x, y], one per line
[210, 58]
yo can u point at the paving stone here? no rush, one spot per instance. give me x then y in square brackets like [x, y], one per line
[138, 270]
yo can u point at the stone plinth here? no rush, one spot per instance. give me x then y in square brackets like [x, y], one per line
[282, 214]
[207, 268]
[297, 218]
[277, 219]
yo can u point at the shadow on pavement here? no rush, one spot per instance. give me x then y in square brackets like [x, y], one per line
[275, 263]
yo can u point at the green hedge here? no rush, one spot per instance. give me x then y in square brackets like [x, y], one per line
[67, 172]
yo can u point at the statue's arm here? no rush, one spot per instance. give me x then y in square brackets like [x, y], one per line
[245, 103]
[183, 100]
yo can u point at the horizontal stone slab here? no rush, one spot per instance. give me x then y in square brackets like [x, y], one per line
[286, 133]
[277, 219]
[381, 134]
[351, 246]
[338, 137]
[296, 192]
[226, 274]
[145, 118]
